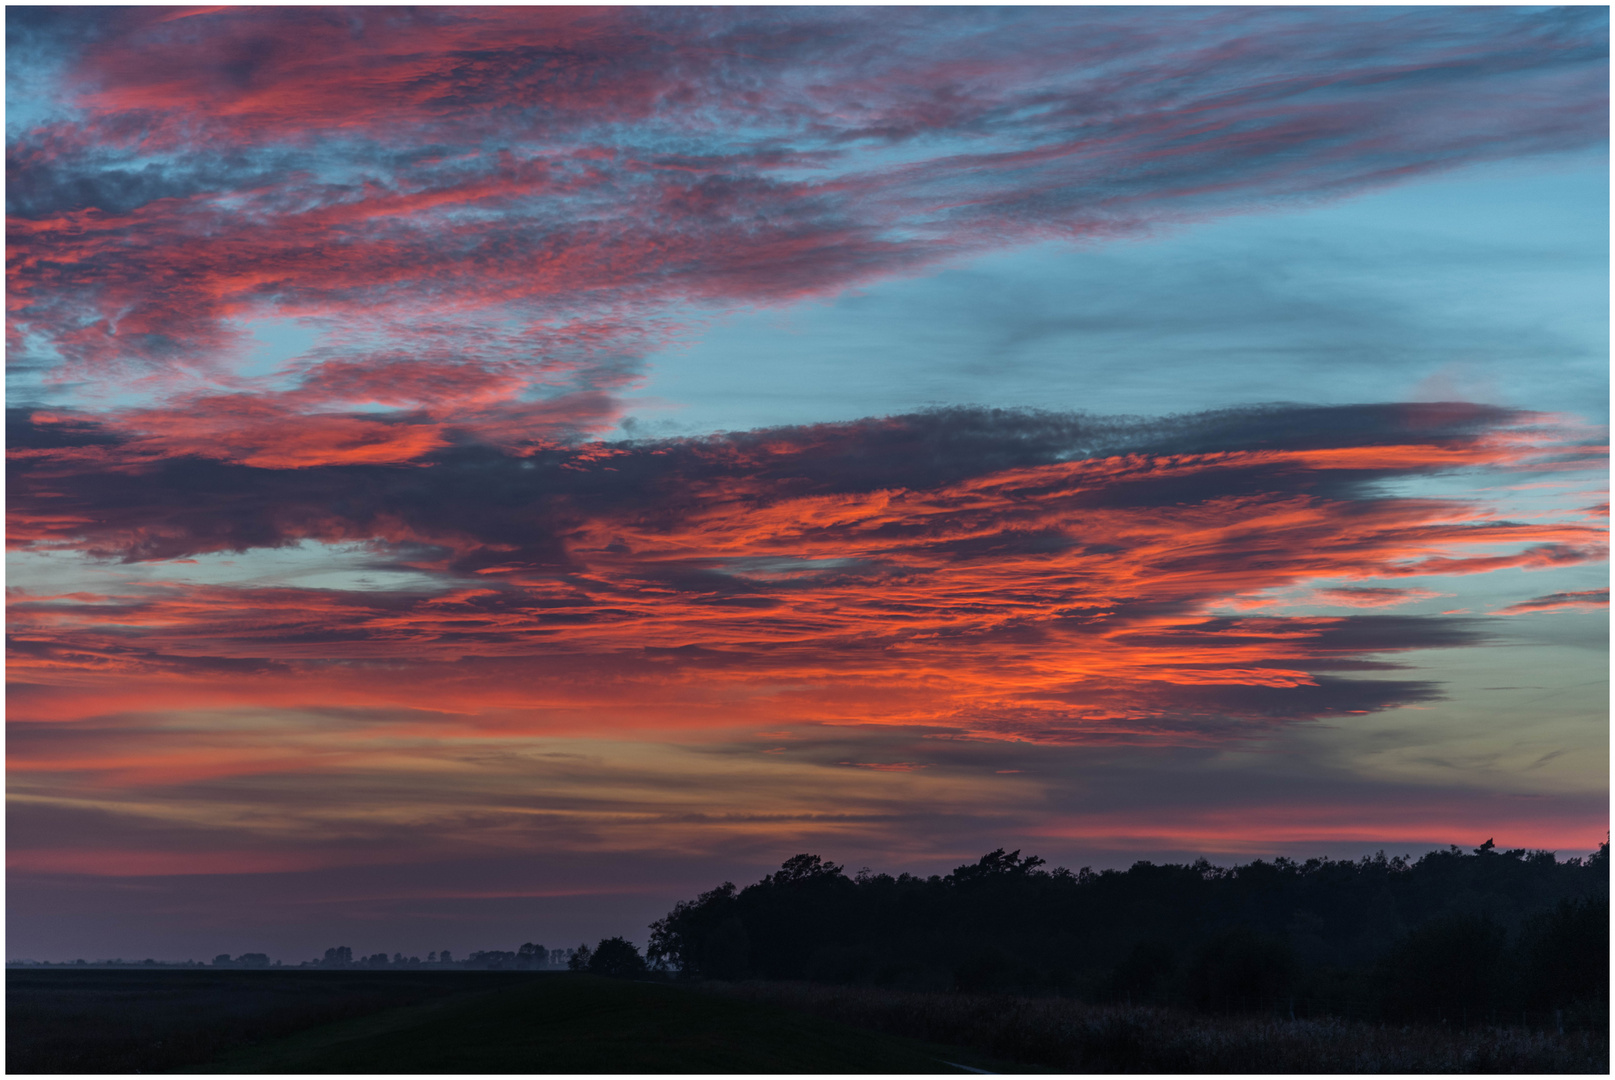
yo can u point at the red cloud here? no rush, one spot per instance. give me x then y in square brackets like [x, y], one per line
[541, 194]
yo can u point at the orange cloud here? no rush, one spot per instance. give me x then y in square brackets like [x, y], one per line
[715, 584]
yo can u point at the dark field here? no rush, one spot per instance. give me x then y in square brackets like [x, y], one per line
[1065, 1035]
[119, 1020]
[495, 1022]
[450, 1022]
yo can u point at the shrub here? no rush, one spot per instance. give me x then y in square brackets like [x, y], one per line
[616, 958]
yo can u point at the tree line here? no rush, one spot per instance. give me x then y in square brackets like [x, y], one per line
[1451, 937]
[530, 957]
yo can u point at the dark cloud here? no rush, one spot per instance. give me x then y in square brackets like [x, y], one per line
[188, 504]
[1586, 600]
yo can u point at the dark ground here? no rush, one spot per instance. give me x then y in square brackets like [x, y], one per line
[121, 1020]
[1071, 1036]
[307, 1021]
[429, 1022]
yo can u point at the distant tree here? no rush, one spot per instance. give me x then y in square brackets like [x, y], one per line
[617, 958]
[995, 864]
[253, 960]
[531, 955]
[680, 939]
[341, 956]
[803, 868]
[579, 959]
[1234, 937]
[431, 958]
[222, 960]
[444, 957]
[492, 959]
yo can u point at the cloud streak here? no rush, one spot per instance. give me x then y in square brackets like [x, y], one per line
[1583, 600]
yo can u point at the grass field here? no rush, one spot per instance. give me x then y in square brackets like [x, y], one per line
[1070, 1036]
[461, 1022]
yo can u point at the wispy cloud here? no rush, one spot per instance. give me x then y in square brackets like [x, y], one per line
[1586, 600]
[491, 213]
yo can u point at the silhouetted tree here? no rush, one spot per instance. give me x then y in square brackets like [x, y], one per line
[799, 868]
[617, 958]
[339, 957]
[492, 959]
[1377, 932]
[995, 864]
[579, 960]
[681, 939]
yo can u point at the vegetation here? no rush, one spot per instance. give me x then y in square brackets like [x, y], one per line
[1072, 1036]
[616, 958]
[1451, 938]
[530, 957]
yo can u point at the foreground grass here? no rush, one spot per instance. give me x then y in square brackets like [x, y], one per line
[1074, 1037]
[582, 1024]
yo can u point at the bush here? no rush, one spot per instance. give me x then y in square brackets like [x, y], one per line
[616, 958]
[580, 959]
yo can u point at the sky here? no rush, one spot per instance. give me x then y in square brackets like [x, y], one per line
[481, 475]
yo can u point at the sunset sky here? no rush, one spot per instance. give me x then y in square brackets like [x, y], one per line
[479, 475]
